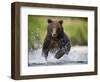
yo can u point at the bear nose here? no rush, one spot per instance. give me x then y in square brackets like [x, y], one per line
[54, 35]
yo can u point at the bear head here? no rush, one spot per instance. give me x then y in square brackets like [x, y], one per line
[55, 28]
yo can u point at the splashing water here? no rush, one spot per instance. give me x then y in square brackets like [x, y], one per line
[77, 55]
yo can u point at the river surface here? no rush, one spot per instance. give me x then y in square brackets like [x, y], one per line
[77, 55]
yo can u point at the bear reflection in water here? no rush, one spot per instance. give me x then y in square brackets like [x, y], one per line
[56, 40]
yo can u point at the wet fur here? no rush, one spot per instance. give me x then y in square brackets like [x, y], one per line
[61, 42]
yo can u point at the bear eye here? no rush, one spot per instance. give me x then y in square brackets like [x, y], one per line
[58, 29]
[50, 29]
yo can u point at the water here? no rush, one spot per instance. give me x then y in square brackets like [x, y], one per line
[77, 55]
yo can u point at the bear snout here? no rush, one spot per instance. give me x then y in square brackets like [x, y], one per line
[54, 35]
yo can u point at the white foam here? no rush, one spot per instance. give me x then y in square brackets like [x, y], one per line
[77, 53]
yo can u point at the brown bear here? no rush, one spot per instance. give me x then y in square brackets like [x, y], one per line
[56, 40]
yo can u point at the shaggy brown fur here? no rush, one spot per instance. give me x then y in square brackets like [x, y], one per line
[56, 40]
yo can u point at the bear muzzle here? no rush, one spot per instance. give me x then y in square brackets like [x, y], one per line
[54, 35]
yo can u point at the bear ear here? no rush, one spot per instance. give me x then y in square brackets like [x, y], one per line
[49, 21]
[60, 21]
